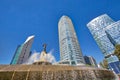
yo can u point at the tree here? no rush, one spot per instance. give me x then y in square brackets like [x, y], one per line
[104, 64]
[101, 64]
[117, 51]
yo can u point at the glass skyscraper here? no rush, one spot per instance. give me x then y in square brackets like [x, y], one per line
[70, 52]
[113, 32]
[22, 52]
[106, 35]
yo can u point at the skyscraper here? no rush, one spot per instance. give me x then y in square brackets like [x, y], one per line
[70, 52]
[90, 61]
[113, 32]
[106, 36]
[22, 52]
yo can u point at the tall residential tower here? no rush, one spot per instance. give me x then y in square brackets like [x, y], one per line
[22, 52]
[70, 52]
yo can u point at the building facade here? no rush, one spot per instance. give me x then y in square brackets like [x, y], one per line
[103, 31]
[113, 32]
[22, 52]
[70, 52]
[89, 60]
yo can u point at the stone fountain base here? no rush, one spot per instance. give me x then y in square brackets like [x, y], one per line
[53, 72]
[42, 63]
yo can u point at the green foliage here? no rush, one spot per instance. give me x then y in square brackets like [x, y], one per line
[101, 64]
[104, 64]
[117, 51]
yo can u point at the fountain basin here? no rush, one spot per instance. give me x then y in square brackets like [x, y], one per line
[42, 63]
[53, 72]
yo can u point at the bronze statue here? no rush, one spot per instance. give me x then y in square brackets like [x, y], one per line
[44, 47]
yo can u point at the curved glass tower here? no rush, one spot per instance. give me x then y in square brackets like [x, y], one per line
[113, 31]
[106, 33]
[70, 52]
[97, 28]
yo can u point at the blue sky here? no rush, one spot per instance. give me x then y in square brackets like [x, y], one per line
[22, 18]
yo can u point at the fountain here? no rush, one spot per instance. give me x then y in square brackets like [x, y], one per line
[44, 70]
[43, 60]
